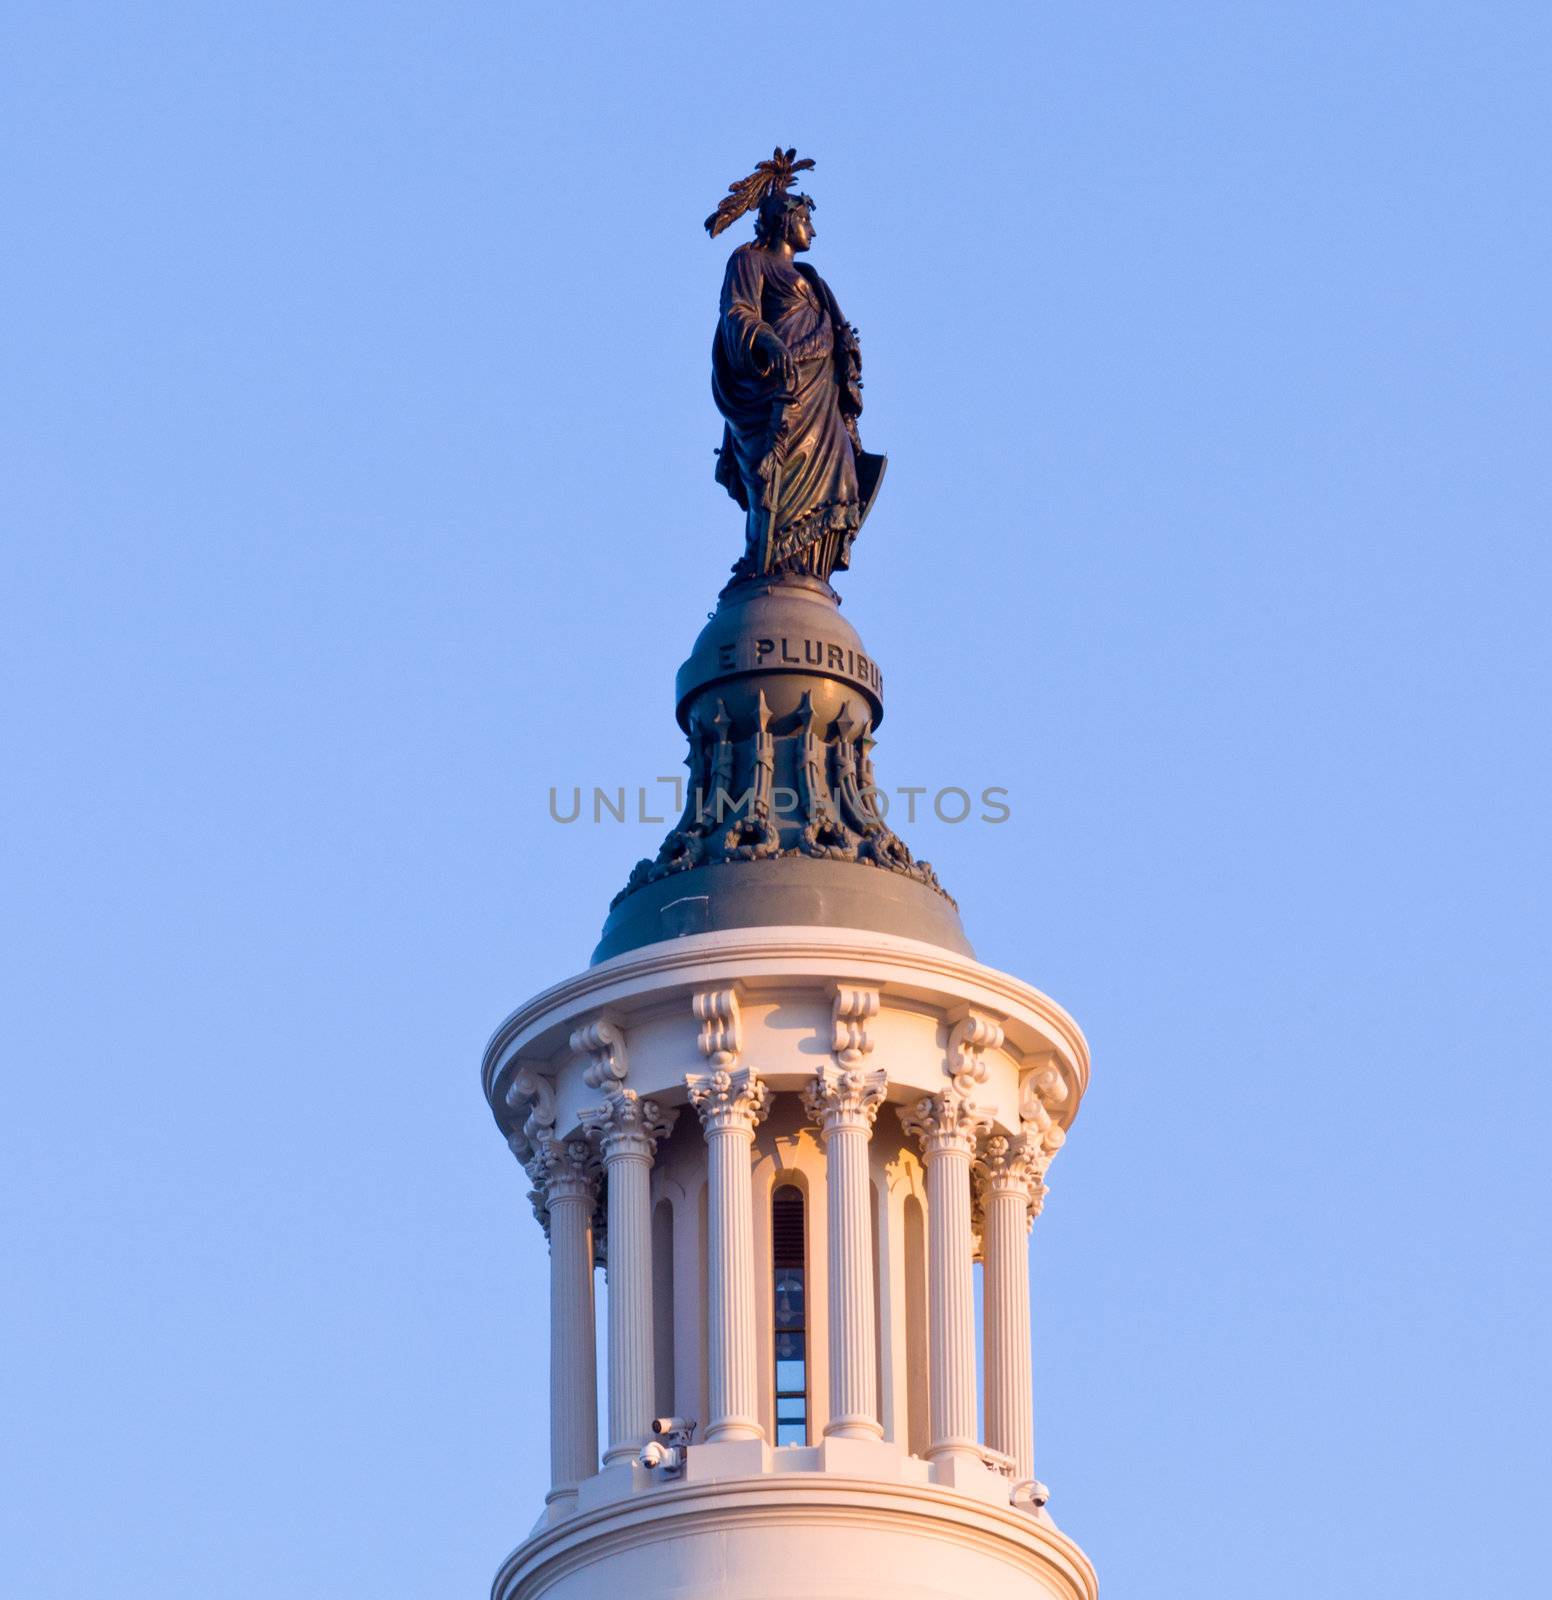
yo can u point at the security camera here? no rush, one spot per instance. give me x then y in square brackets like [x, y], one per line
[1030, 1493]
[667, 1452]
[656, 1456]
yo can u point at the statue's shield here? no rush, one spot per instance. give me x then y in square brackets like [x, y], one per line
[870, 474]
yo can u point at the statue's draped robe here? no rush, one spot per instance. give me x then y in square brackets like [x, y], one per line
[788, 458]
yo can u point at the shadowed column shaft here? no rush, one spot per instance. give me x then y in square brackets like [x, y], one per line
[573, 1346]
[630, 1299]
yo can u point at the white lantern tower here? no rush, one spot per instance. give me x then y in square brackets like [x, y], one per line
[787, 1111]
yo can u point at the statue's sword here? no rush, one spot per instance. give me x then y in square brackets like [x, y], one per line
[773, 484]
[768, 537]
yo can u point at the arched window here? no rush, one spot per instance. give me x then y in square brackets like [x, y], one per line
[791, 1341]
[663, 1307]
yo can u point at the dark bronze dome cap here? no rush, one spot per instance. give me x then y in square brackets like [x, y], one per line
[790, 628]
[782, 893]
[782, 822]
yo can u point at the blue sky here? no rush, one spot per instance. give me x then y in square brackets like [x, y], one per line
[358, 488]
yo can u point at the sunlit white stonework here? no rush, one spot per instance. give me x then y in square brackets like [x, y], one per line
[913, 1098]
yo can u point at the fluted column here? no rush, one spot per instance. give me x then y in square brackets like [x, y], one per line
[730, 1105]
[567, 1179]
[731, 1100]
[628, 1129]
[844, 1099]
[947, 1125]
[1011, 1189]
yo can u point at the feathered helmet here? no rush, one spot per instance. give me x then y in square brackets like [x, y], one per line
[766, 191]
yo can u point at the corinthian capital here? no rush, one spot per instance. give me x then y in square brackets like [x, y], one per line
[561, 1169]
[945, 1122]
[844, 1097]
[625, 1125]
[567, 1169]
[725, 1099]
[1014, 1166]
[1044, 1094]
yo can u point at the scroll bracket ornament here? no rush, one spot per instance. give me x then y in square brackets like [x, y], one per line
[721, 1036]
[602, 1041]
[1044, 1094]
[853, 1009]
[970, 1036]
[1022, 1160]
[1043, 1089]
[531, 1095]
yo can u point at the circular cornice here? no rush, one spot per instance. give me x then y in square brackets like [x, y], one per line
[766, 956]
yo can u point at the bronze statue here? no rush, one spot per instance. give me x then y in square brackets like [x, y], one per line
[783, 820]
[786, 373]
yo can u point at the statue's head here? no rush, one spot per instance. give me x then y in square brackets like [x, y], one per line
[785, 218]
[781, 217]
